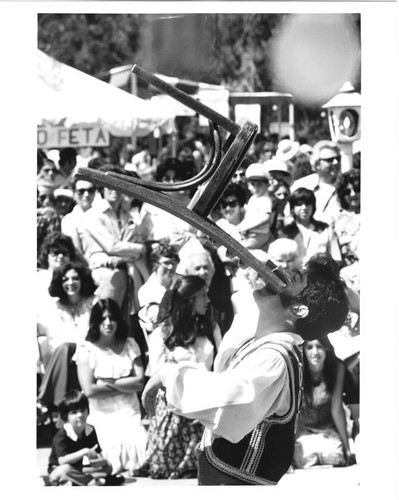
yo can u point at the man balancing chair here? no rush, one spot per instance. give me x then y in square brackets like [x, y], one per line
[210, 182]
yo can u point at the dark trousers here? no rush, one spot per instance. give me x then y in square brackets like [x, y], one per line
[60, 375]
[208, 475]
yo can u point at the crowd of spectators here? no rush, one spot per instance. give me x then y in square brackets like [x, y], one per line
[123, 285]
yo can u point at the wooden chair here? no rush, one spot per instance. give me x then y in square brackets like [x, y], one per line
[210, 182]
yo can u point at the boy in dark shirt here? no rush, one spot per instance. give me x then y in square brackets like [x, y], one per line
[76, 454]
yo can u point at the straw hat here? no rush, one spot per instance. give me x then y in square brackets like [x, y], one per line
[63, 193]
[287, 149]
[276, 165]
[257, 171]
[306, 148]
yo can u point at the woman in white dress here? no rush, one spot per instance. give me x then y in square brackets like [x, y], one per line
[111, 373]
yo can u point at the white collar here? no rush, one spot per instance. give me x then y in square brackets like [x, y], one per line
[102, 205]
[72, 434]
[280, 335]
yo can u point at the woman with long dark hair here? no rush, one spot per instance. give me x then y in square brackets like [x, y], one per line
[111, 373]
[185, 333]
[322, 437]
[312, 236]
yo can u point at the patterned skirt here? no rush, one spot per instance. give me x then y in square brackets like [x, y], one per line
[171, 445]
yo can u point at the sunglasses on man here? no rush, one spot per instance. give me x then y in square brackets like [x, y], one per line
[81, 192]
[330, 161]
[229, 203]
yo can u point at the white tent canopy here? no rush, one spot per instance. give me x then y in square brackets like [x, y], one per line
[69, 97]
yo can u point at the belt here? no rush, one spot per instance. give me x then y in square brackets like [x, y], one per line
[110, 265]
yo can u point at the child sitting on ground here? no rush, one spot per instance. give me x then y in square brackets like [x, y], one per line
[76, 454]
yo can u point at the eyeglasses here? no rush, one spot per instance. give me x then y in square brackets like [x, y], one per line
[81, 192]
[348, 191]
[168, 264]
[331, 160]
[238, 174]
[227, 203]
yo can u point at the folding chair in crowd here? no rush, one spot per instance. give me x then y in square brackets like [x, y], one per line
[210, 182]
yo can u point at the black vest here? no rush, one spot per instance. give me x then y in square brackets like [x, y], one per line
[264, 455]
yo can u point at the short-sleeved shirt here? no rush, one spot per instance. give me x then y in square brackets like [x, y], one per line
[259, 206]
[66, 441]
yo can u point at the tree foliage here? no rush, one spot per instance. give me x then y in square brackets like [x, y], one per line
[225, 49]
[242, 49]
[230, 49]
[93, 43]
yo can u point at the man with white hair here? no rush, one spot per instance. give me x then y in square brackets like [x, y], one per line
[195, 260]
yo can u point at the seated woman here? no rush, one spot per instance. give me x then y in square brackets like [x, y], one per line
[185, 333]
[61, 327]
[312, 236]
[322, 437]
[56, 249]
[111, 373]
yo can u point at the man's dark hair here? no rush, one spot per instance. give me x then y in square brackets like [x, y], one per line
[237, 191]
[325, 297]
[157, 250]
[73, 400]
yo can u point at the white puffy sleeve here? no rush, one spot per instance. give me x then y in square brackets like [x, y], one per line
[233, 402]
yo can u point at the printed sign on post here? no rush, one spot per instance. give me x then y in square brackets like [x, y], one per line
[72, 137]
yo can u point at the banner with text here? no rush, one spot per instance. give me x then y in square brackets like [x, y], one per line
[72, 137]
